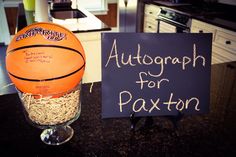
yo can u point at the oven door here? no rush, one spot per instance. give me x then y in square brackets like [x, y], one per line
[169, 26]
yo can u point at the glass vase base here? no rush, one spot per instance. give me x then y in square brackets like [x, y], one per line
[57, 135]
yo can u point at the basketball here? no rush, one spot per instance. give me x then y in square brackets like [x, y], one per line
[45, 58]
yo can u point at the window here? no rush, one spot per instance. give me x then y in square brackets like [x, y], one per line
[94, 6]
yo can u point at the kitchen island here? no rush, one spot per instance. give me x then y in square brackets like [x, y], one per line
[89, 23]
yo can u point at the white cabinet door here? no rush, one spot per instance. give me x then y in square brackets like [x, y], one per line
[91, 43]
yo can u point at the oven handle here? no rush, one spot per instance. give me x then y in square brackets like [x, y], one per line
[171, 22]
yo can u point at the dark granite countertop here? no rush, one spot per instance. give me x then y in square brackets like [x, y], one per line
[90, 23]
[217, 14]
[212, 134]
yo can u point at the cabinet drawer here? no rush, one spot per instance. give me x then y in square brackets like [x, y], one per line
[226, 40]
[152, 10]
[223, 41]
[224, 55]
[150, 20]
[150, 27]
[216, 60]
[204, 30]
[202, 27]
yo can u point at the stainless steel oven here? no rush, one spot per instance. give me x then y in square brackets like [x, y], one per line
[173, 21]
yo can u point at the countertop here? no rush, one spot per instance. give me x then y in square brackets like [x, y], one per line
[220, 15]
[90, 23]
[211, 134]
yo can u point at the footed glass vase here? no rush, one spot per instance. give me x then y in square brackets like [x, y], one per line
[53, 114]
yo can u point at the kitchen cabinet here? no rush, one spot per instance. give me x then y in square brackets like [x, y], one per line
[150, 18]
[91, 42]
[223, 41]
[223, 91]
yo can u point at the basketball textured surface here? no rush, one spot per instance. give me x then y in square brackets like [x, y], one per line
[45, 58]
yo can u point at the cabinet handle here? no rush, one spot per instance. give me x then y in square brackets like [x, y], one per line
[150, 12]
[200, 31]
[149, 26]
[228, 42]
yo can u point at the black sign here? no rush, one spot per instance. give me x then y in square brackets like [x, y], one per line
[155, 74]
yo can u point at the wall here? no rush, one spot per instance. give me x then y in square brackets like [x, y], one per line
[111, 17]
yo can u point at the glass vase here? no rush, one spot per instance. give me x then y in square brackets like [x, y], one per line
[53, 114]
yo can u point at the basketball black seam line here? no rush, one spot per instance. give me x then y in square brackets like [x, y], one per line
[49, 79]
[57, 46]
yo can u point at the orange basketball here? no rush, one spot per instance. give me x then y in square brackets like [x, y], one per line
[45, 58]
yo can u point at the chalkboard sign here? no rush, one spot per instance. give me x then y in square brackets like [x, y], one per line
[153, 74]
